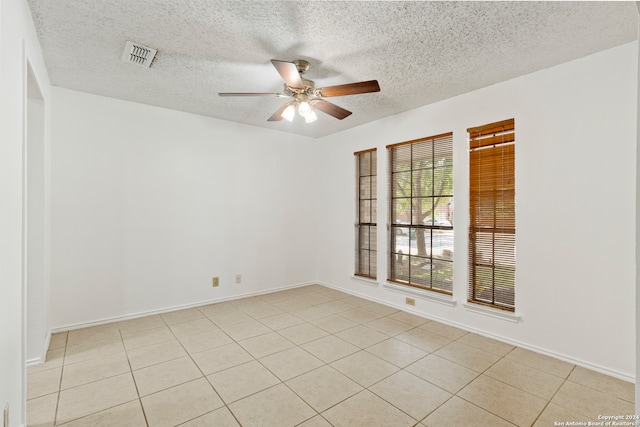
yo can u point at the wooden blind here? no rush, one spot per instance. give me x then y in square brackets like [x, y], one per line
[492, 222]
[421, 213]
[366, 221]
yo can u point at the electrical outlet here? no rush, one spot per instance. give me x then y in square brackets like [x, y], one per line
[238, 278]
[6, 415]
[410, 301]
[215, 282]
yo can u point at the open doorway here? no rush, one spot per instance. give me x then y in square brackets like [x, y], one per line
[35, 187]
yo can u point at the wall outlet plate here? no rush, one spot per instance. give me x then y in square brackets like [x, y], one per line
[215, 282]
[238, 278]
[410, 301]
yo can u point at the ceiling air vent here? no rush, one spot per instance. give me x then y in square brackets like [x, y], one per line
[138, 54]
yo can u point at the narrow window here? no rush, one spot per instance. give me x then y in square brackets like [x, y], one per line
[492, 222]
[421, 213]
[366, 223]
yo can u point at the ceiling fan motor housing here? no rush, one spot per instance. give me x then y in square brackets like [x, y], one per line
[301, 65]
[309, 88]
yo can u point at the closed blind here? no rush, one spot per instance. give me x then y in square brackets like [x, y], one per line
[492, 222]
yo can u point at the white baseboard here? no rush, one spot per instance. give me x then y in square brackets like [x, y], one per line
[105, 320]
[579, 362]
[35, 361]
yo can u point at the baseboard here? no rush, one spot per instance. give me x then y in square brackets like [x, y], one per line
[33, 362]
[106, 320]
[546, 352]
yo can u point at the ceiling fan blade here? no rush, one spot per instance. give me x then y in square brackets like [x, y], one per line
[272, 95]
[277, 116]
[289, 73]
[351, 88]
[331, 109]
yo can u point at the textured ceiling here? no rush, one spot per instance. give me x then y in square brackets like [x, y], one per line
[420, 52]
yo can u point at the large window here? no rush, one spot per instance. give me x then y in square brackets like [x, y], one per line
[492, 222]
[421, 213]
[366, 223]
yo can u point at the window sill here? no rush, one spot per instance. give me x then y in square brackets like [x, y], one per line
[365, 280]
[493, 312]
[426, 295]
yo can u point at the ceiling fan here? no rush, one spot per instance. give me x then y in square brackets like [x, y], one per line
[304, 94]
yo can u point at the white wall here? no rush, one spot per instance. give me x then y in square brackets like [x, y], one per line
[638, 227]
[149, 204]
[575, 192]
[18, 43]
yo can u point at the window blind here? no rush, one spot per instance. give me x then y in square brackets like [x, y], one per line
[366, 221]
[492, 221]
[421, 213]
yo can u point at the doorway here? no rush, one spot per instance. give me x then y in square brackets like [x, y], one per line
[35, 208]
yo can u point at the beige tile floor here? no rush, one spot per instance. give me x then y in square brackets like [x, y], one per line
[309, 356]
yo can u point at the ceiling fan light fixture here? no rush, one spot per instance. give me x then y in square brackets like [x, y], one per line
[289, 112]
[310, 117]
[304, 108]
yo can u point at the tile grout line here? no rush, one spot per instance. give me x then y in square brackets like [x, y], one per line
[64, 355]
[94, 381]
[564, 380]
[133, 377]
[488, 411]
[482, 373]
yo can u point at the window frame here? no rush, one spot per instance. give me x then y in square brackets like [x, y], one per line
[395, 256]
[492, 220]
[370, 227]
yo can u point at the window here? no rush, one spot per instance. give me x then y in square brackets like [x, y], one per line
[421, 213]
[492, 222]
[366, 224]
